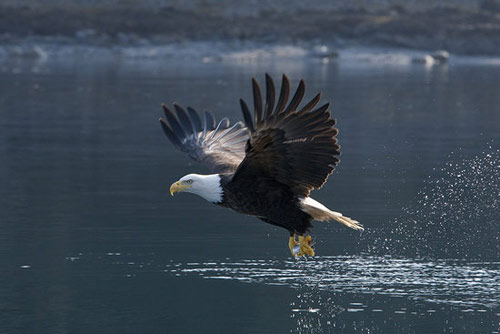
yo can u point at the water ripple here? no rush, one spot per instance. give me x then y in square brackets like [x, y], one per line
[452, 282]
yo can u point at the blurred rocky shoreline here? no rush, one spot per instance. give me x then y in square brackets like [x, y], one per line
[464, 27]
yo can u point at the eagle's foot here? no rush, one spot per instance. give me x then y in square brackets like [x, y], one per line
[302, 247]
[305, 244]
[294, 246]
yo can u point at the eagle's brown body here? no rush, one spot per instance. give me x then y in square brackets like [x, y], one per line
[268, 166]
[267, 199]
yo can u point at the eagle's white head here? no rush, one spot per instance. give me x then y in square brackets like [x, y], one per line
[206, 186]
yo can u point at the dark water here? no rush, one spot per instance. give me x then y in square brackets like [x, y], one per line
[91, 241]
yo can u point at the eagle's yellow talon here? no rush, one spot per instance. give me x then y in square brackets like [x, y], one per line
[302, 247]
[305, 245]
[294, 246]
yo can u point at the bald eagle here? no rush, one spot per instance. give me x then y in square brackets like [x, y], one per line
[267, 166]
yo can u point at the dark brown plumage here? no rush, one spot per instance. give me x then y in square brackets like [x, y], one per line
[296, 148]
[269, 166]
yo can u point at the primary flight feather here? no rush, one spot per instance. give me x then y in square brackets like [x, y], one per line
[267, 166]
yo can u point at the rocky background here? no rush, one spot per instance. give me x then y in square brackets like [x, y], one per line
[460, 26]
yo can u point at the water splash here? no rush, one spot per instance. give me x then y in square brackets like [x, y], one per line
[358, 294]
[471, 285]
[355, 293]
[454, 216]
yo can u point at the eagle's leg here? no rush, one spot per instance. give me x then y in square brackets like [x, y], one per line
[305, 243]
[294, 245]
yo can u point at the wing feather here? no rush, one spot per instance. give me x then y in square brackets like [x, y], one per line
[173, 122]
[311, 104]
[170, 134]
[218, 145]
[297, 148]
[246, 115]
[257, 101]
[195, 119]
[285, 91]
[269, 96]
[184, 120]
[297, 97]
[209, 121]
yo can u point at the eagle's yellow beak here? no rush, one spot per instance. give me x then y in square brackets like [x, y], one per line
[178, 186]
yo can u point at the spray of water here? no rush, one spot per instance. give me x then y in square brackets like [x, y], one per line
[456, 215]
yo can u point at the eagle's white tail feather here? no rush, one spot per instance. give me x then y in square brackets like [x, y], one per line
[354, 224]
[320, 212]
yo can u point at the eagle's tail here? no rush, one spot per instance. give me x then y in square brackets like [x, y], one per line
[320, 212]
[349, 222]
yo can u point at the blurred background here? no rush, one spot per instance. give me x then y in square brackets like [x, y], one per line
[91, 240]
[460, 26]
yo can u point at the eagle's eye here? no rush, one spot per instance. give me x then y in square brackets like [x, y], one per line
[188, 181]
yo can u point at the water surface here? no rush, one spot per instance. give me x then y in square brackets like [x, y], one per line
[91, 241]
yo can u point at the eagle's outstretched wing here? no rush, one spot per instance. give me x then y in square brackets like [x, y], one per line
[297, 147]
[221, 146]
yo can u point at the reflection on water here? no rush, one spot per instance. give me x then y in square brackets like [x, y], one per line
[328, 293]
[475, 286]
[389, 293]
